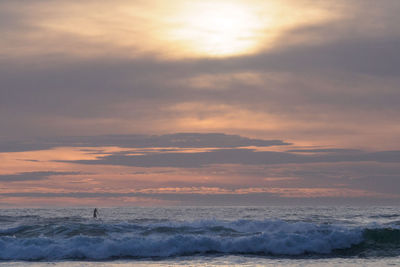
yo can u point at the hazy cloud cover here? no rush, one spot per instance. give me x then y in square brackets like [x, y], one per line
[95, 94]
[319, 78]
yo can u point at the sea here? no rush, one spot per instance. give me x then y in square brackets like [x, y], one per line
[201, 236]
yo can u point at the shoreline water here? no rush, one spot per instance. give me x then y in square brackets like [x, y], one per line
[217, 261]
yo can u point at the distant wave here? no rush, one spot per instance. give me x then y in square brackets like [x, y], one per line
[74, 239]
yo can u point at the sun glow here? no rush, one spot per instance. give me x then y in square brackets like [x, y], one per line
[167, 29]
[218, 29]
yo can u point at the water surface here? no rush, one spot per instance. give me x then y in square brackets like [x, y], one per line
[201, 236]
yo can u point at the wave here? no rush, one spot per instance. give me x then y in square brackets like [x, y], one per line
[106, 241]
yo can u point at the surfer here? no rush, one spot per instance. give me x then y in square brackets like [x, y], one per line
[95, 213]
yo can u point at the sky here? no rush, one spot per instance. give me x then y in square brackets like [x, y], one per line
[153, 103]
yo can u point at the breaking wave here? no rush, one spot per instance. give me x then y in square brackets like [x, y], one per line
[73, 239]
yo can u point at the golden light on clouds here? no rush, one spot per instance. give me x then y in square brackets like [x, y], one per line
[161, 29]
[218, 28]
[233, 28]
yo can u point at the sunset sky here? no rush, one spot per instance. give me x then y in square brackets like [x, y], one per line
[198, 102]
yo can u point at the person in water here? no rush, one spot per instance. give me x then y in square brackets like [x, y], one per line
[95, 213]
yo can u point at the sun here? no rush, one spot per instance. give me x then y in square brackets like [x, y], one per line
[218, 28]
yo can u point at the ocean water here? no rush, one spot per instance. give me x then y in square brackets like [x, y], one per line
[201, 236]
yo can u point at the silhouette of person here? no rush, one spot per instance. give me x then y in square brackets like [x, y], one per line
[95, 213]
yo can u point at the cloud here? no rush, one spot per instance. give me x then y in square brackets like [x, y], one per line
[236, 156]
[178, 140]
[348, 77]
[325, 150]
[32, 176]
[308, 91]
[331, 85]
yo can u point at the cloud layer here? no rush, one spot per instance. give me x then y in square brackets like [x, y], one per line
[106, 96]
[322, 81]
